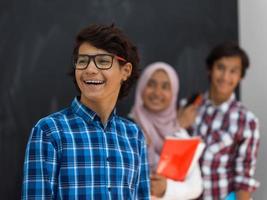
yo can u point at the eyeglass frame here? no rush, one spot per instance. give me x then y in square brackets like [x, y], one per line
[93, 57]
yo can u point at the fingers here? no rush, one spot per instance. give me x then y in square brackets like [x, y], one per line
[158, 185]
[192, 107]
[187, 116]
[156, 177]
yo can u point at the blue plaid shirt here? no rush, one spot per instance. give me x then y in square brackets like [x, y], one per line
[71, 155]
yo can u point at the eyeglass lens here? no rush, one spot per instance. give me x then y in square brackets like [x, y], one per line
[102, 61]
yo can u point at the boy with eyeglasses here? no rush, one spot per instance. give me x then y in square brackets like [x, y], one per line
[87, 151]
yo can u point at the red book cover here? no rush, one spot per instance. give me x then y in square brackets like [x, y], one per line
[178, 157]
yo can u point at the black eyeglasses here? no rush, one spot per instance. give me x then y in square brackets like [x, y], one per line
[101, 61]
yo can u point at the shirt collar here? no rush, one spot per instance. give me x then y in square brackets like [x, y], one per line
[222, 107]
[86, 113]
[81, 110]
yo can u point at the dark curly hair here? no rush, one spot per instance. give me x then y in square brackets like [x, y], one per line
[228, 49]
[111, 39]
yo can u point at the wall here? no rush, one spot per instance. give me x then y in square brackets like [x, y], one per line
[252, 35]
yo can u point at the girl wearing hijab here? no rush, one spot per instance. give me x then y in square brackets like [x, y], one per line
[155, 111]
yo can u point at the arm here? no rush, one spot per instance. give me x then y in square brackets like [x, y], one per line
[191, 188]
[186, 116]
[167, 189]
[143, 187]
[40, 167]
[243, 195]
[158, 185]
[246, 161]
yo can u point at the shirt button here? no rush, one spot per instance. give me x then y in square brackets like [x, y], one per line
[108, 159]
[109, 189]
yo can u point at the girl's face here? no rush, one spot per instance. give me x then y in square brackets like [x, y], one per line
[157, 94]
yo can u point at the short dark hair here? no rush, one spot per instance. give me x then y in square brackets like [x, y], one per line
[228, 49]
[111, 39]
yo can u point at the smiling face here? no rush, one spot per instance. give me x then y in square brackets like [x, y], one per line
[157, 94]
[225, 75]
[100, 86]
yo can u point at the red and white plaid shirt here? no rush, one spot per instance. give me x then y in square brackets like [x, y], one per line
[231, 134]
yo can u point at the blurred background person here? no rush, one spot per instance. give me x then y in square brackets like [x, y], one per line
[229, 129]
[155, 111]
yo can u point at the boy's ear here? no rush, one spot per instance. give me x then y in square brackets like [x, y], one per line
[126, 71]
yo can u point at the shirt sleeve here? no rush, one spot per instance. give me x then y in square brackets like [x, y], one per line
[191, 188]
[143, 185]
[40, 167]
[247, 156]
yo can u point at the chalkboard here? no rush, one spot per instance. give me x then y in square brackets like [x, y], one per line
[36, 42]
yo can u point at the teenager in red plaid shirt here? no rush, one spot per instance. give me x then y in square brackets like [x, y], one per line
[230, 131]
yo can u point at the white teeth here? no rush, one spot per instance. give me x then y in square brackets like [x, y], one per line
[94, 82]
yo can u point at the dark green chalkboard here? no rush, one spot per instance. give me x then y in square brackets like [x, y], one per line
[36, 40]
